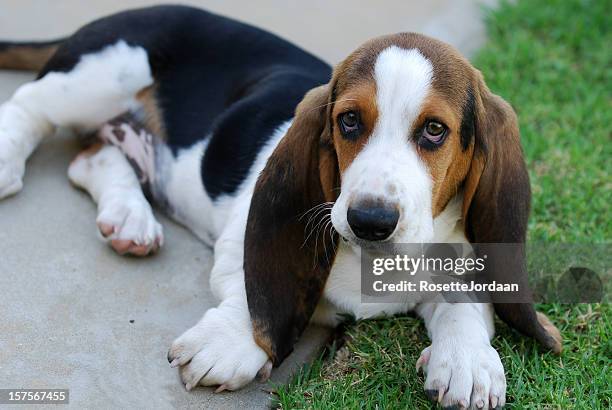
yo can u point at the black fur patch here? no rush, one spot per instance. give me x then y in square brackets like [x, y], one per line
[468, 120]
[242, 130]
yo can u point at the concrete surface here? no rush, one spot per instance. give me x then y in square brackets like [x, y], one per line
[75, 315]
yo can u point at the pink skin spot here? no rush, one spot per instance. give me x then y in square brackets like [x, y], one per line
[136, 145]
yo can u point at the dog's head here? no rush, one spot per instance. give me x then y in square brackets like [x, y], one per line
[412, 123]
[404, 125]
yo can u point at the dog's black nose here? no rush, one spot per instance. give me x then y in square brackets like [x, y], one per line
[372, 223]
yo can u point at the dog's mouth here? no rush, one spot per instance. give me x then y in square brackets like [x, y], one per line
[369, 246]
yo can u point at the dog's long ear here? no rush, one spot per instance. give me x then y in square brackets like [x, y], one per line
[288, 246]
[496, 206]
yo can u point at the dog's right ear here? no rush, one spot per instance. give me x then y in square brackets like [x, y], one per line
[288, 249]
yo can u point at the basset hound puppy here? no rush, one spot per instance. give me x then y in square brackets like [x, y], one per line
[401, 143]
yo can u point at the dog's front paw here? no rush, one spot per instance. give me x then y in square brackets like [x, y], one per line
[461, 374]
[219, 351]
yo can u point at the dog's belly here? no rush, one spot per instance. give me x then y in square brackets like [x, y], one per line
[179, 190]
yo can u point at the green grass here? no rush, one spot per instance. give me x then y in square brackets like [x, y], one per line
[552, 61]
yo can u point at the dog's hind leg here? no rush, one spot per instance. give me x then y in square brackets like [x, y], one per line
[101, 85]
[125, 218]
[20, 133]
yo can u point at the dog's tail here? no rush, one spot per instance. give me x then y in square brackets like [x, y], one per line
[27, 55]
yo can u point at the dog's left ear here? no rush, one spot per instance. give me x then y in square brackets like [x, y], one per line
[288, 249]
[496, 206]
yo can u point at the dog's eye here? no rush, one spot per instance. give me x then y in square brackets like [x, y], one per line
[434, 129]
[350, 124]
[433, 134]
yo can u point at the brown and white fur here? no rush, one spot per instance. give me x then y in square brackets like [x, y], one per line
[472, 188]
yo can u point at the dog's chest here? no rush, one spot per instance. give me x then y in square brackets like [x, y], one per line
[343, 287]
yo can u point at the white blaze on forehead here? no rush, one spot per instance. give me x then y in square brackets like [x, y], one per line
[389, 167]
[403, 80]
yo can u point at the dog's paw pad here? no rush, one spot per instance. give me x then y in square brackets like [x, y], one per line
[130, 227]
